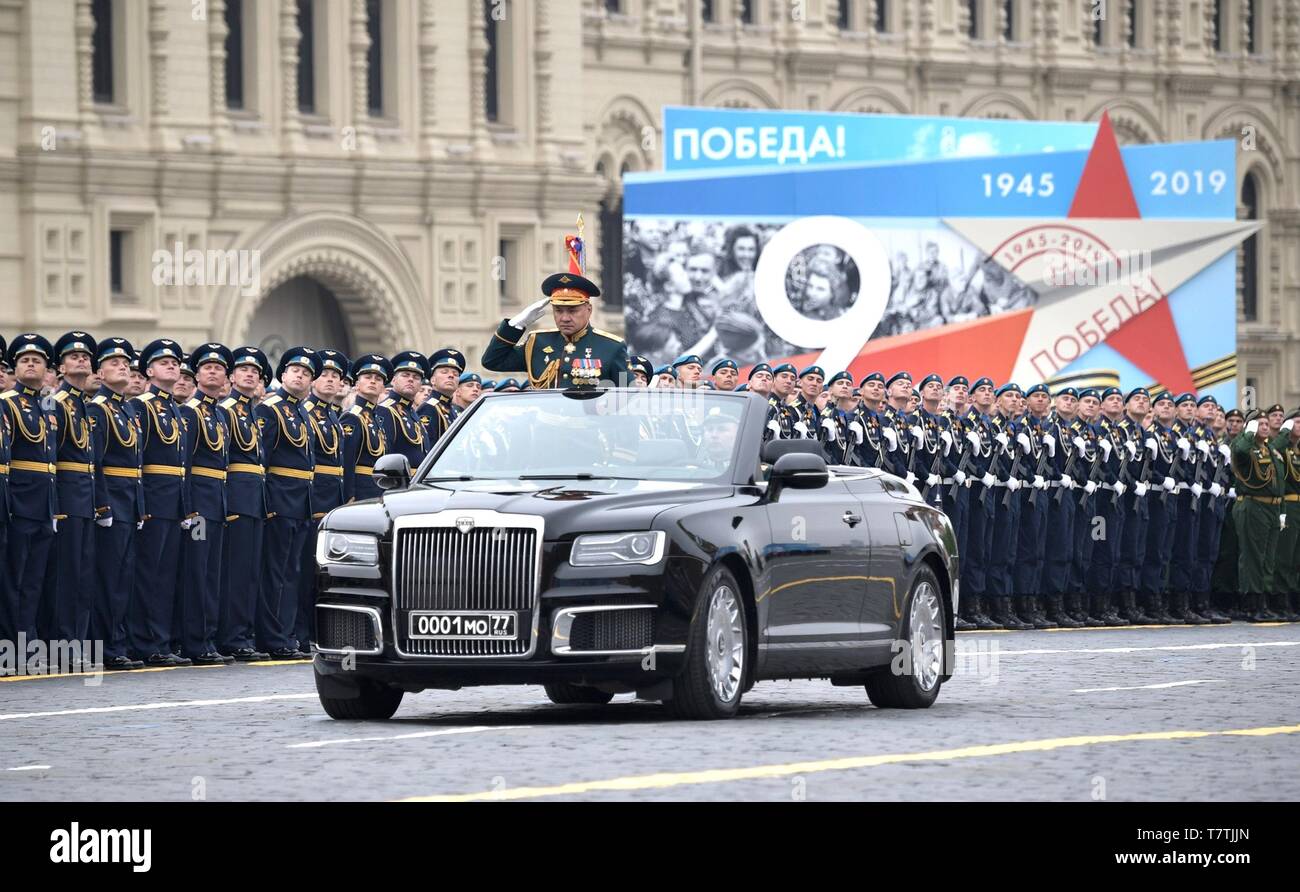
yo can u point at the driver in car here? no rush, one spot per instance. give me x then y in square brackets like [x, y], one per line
[718, 439]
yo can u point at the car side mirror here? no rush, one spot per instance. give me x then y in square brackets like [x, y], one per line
[798, 470]
[392, 471]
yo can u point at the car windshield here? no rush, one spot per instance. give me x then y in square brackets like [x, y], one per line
[628, 434]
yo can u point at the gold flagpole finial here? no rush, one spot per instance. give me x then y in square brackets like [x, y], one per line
[580, 224]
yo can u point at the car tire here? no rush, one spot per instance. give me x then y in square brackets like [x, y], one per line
[563, 693]
[717, 652]
[374, 701]
[925, 637]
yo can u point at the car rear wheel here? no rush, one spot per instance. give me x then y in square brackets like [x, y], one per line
[374, 701]
[915, 684]
[564, 693]
[717, 653]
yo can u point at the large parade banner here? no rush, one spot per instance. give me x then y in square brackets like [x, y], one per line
[1026, 251]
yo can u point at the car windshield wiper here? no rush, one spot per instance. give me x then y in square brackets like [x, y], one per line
[581, 475]
[456, 477]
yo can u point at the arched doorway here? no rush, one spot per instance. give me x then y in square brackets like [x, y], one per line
[299, 311]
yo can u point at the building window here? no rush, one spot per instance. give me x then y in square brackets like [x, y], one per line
[102, 50]
[1098, 29]
[510, 274]
[973, 18]
[614, 6]
[1218, 25]
[844, 15]
[307, 57]
[1008, 20]
[611, 252]
[707, 12]
[1250, 251]
[491, 75]
[1248, 10]
[235, 54]
[375, 58]
[118, 250]
[747, 12]
[882, 16]
[1132, 23]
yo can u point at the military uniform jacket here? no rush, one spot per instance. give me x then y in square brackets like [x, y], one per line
[436, 415]
[119, 452]
[1135, 470]
[33, 452]
[780, 422]
[1007, 462]
[904, 454]
[207, 456]
[288, 456]
[403, 431]
[1257, 467]
[1290, 464]
[75, 479]
[363, 442]
[956, 427]
[327, 444]
[246, 468]
[873, 451]
[1162, 465]
[1112, 464]
[931, 455]
[163, 435]
[552, 360]
[1087, 463]
[975, 421]
[6, 442]
[804, 413]
[837, 440]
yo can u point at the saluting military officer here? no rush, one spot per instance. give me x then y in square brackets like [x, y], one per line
[438, 412]
[33, 497]
[403, 431]
[246, 506]
[321, 414]
[118, 455]
[71, 583]
[363, 434]
[149, 626]
[290, 466]
[207, 459]
[573, 354]
[1286, 572]
[1260, 483]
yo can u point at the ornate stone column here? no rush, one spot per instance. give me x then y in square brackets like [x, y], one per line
[291, 134]
[428, 77]
[359, 44]
[217, 34]
[158, 32]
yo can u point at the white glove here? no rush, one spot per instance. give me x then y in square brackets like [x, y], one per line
[1003, 439]
[892, 436]
[1089, 487]
[959, 477]
[775, 427]
[139, 524]
[1140, 488]
[1203, 448]
[1197, 490]
[1151, 446]
[1281, 520]
[973, 438]
[1120, 488]
[1132, 448]
[187, 523]
[910, 478]
[1185, 447]
[1023, 439]
[832, 430]
[1252, 427]
[1013, 484]
[801, 428]
[1039, 482]
[988, 480]
[1225, 451]
[1232, 492]
[1049, 442]
[947, 441]
[856, 429]
[1105, 448]
[55, 523]
[933, 480]
[1079, 444]
[1168, 484]
[918, 434]
[1067, 481]
[1216, 490]
[1288, 424]
[531, 313]
[104, 522]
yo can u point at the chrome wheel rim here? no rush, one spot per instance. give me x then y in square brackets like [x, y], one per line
[724, 644]
[926, 623]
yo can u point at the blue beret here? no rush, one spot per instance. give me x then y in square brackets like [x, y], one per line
[468, 377]
[371, 363]
[1089, 392]
[687, 359]
[742, 388]
[254, 357]
[302, 356]
[783, 367]
[813, 370]
[446, 357]
[874, 376]
[932, 377]
[76, 342]
[1185, 398]
[210, 353]
[110, 348]
[1208, 398]
[1136, 391]
[761, 367]
[666, 370]
[1111, 391]
[983, 382]
[1010, 387]
[723, 363]
[897, 376]
[840, 376]
[1162, 395]
[959, 379]
[411, 361]
[506, 383]
[333, 359]
[1038, 388]
[489, 384]
[163, 348]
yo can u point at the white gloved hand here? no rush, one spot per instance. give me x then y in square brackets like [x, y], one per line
[988, 480]
[892, 436]
[1203, 448]
[1151, 446]
[1185, 447]
[832, 430]
[1013, 484]
[933, 480]
[1067, 481]
[1120, 488]
[775, 427]
[1197, 490]
[531, 313]
[187, 523]
[1288, 424]
[801, 428]
[1049, 443]
[910, 478]
[973, 438]
[1106, 448]
[1216, 490]
[55, 523]
[1003, 439]
[1089, 487]
[1281, 520]
[1132, 448]
[959, 477]
[1140, 488]
[1232, 492]
[946, 438]
[856, 429]
[1252, 426]
[1039, 482]
[104, 522]
[1168, 484]
[1225, 451]
[139, 524]
[1023, 439]
[1080, 444]
[918, 434]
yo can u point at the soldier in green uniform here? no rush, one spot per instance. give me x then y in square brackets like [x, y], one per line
[1286, 573]
[1258, 469]
[572, 354]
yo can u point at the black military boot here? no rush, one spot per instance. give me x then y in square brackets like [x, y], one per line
[961, 622]
[1190, 616]
[1279, 606]
[1077, 605]
[1295, 604]
[1106, 611]
[1253, 605]
[1263, 609]
[1134, 613]
[1237, 607]
[1159, 610]
[984, 615]
[1201, 600]
[1031, 611]
[1059, 614]
[1005, 615]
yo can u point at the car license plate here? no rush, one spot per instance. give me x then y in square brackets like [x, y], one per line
[461, 625]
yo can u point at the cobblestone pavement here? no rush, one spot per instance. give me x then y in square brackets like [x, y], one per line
[1070, 715]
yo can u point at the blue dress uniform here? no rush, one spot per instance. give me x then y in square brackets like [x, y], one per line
[290, 466]
[32, 494]
[70, 583]
[1031, 545]
[119, 451]
[6, 441]
[981, 508]
[363, 435]
[246, 507]
[805, 410]
[326, 492]
[1135, 475]
[1064, 467]
[404, 433]
[1088, 469]
[438, 413]
[207, 464]
[149, 624]
[1103, 581]
[781, 417]
[1183, 565]
[956, 488]
[550, 358]
[1162, 506]
[839, 430]
[1001, 583]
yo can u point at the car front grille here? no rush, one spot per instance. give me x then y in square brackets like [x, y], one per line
[613, 630]
[343, 629]
[486, 568]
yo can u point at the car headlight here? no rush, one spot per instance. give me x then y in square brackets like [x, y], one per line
[614, 549]
[352, 549]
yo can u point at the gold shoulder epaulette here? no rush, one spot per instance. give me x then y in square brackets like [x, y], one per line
[271, 400]
[355, 410]
[388, 403]
[60, 395]
[192, 402]
[95, 400]
[608, 334]
[144, 397]
[308, 404]
[8, 394]
[227, 402]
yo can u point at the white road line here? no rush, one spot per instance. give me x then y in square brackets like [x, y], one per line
[29, 768]
[412, 736]
[1150, 687]
[1044, 651]
[178, 704]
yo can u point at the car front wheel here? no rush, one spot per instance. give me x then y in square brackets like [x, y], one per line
[717, 653]
[374, 701]
[914, 681]
[564, 693]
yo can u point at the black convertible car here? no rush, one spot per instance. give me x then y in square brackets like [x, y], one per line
[619, 540]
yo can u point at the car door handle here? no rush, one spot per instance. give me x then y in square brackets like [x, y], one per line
[851, 519]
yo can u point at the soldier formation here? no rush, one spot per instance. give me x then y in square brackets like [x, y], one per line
[165, 503]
